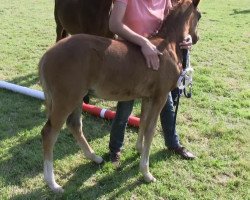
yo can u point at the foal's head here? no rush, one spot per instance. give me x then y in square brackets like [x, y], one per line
[181, 21]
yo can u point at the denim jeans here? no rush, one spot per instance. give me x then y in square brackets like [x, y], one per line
[123, 111]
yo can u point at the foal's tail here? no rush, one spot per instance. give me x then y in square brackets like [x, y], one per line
[48, 99]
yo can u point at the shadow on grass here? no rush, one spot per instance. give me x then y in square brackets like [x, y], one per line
[21, 121]
[107, 184]
[19, 112]
[113, 185]
[116, 182]
[20, 143]
[237, 12]
[26, 80]
[24, 155]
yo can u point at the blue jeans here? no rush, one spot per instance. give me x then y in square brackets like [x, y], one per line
[123, 111]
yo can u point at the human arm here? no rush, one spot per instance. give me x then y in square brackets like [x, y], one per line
[117, 26]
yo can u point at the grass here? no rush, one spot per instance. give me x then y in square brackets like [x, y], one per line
[214, 123]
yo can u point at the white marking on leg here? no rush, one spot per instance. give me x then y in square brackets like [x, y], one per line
[50, 178]
[144, 168]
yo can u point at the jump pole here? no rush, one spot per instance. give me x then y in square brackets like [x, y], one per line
[94, 110]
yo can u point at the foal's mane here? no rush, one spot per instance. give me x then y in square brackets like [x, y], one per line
[172, 22]
[175, 3]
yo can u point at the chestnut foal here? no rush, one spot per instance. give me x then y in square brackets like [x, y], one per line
[112, 70]
[82, 16]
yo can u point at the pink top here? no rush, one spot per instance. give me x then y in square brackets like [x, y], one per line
[145, 16]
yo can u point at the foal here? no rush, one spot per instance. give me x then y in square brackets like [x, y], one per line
[112, 70]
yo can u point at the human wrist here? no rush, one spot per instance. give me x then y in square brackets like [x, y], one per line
[143, 41]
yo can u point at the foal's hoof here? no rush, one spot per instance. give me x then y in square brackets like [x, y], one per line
[149, 178]
[57, 189]
[98, 159]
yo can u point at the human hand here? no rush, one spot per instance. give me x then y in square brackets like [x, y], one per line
[186, 43]
[151, 53]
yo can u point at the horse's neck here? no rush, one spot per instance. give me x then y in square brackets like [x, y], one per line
[172, 30]
[174, 25]
[171, 46]
[172, 33]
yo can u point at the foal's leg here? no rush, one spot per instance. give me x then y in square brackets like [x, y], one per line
[144, 110]
[151, 112]
[49, 136]
[74, 123]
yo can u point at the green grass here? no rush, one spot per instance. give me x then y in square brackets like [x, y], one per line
[214, 123]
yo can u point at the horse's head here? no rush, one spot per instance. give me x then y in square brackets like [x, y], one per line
[181, 21]
[191, 25]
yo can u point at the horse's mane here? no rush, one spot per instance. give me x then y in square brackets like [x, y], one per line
[175, 4]
[169, 22]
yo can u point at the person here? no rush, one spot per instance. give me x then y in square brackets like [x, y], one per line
[135, 21]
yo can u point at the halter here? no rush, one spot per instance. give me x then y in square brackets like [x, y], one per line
[184, 82]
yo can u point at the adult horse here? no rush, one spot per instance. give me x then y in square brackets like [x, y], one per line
[113, 70]
[82, 16]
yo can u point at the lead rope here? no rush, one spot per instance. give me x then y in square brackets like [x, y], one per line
[176, 107]
[184, 82]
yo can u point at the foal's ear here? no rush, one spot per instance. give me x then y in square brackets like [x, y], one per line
[196, 2]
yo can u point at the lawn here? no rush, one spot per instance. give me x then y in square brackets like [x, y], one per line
[214, 124]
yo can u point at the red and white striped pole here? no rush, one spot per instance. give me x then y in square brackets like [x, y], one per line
[108, 114]
[99, 112]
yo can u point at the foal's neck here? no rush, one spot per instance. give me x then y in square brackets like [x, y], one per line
[172, 32]
[171, 46]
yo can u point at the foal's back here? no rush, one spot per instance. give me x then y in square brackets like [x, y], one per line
[114, 70]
